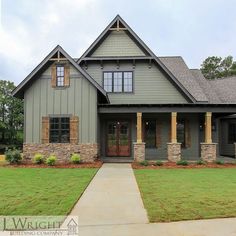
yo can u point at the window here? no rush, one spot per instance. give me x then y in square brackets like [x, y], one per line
[118, 82]
[232, 133]
[150, 134]
[107, 81]
[60, 75]
[128, 81]
[59, 130]
[181, 132]
[117, 78]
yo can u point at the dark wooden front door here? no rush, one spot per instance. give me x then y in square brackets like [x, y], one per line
[118, 138]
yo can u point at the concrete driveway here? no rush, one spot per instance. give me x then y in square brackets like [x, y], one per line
[112, 206]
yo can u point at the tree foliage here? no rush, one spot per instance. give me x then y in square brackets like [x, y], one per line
[11, 115]
[217, 67]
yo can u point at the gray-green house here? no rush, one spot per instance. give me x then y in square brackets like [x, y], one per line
[120, 101]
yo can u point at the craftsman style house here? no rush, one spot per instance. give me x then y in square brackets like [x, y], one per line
[121, 101]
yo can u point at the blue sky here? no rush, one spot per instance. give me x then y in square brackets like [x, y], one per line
[194, 29]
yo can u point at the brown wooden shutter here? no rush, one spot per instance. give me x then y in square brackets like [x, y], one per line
[67, 75]
[54, 76]
[74, 129]
[45, 129]
[187, 134]
[158, 134]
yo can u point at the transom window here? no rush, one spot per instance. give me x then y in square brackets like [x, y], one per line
[232, 133]
[118, 82]
[59, 130]
[60, 75]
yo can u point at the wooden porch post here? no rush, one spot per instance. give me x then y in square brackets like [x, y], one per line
[208, 135]
[173, 127]
[139, 127]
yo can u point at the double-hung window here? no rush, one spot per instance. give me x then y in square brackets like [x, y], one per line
[60, 73]
[231, 133]
[118, 82]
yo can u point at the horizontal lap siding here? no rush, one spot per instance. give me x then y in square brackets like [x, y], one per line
[118, 44]
[80, 99]
[150, 84]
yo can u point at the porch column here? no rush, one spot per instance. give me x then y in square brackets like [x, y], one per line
[173, 127]
[139, 127]
[173, 148]
[139, 146]
[208, 149]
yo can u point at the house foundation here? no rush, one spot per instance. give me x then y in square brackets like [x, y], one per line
[63, 151]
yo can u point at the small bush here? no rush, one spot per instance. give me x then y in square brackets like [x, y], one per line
[143, 163]
[51, 160]
[182, 163]
[201, 162]
[38, 158]
[13, 156]
[158, 163]
[219, 162]
[75, 158]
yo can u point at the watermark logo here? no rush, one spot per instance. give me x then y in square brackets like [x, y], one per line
[39, 225]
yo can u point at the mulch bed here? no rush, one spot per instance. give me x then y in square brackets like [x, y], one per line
[172, 165]
[96, 164]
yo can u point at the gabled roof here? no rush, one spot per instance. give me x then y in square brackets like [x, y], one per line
[19, 90]
[149, 53]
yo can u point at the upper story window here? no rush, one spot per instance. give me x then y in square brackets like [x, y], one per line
[118, 82]
[59, 130]
[60, 73]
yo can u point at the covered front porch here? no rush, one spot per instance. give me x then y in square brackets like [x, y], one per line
[162, 135]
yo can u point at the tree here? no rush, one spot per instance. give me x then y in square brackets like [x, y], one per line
[216, 67]
[11, 113]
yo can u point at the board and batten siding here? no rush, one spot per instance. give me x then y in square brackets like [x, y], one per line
[150, 85]
[118, 43]
[79, 99]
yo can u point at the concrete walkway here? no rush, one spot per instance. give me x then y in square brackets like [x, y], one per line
[112, 206]
[111, 198]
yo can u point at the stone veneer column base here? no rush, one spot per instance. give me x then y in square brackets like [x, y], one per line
[174, 152]
[208, 152]
[139, 152]
[63, 151]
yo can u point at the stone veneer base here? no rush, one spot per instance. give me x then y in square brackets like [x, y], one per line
[208, 152]
[174, 152]
[63, 151]
[139, 152]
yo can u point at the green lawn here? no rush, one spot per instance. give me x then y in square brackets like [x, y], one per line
[26, 191]
[185, 194]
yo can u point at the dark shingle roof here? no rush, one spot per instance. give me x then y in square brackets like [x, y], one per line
[218, 91]
[180, 70]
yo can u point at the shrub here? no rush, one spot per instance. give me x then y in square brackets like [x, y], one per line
[182, 163]
[201, 162]
[51, 160]
[38, 158]
[143, 163]
[75, 158]
[219, 162]
[158, 163]
[13, 156]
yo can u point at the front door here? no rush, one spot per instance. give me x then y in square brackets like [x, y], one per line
[118, 138]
